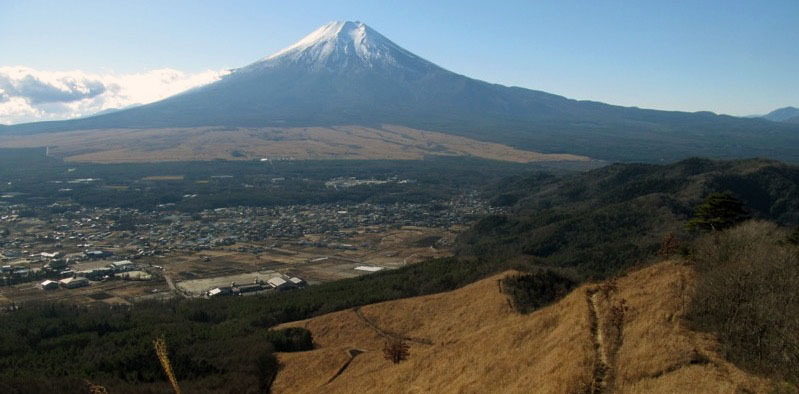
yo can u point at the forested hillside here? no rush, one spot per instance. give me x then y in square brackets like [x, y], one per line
[605, 220]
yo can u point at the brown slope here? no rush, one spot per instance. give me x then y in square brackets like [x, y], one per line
[307, 143]
[470, 341]
[659, 353]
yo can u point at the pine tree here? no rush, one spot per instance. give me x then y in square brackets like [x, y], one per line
[718, 211]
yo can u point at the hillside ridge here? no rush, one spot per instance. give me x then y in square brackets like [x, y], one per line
[625, 335]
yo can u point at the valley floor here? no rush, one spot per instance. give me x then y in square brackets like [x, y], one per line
[625, 336]
[309, 143]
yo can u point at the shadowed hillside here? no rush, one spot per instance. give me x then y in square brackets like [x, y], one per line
[604, 220]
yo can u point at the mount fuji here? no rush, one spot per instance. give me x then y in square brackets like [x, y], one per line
[346, 74]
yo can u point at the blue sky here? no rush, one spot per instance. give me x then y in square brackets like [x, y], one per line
[734, 57]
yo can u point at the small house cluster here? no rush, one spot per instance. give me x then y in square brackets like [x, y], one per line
[70, 233]
[77, 279]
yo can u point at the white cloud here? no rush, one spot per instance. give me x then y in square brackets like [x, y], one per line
[29, 95]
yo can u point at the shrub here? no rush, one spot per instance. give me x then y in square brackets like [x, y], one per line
[267, 366]
[793, 239]
[529, 292]
[294, 339]
[396, 351]
[669, 246]
[747, 295]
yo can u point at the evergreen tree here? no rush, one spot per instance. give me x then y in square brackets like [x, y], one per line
[718, 211]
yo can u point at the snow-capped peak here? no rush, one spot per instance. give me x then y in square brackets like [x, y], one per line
[326, 35]
[341, 44]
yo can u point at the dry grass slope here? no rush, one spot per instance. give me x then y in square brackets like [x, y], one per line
[307, 143]
[470, 341]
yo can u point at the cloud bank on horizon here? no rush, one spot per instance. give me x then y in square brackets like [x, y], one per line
[29, 95]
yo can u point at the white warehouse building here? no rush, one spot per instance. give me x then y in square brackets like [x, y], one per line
[71, 283]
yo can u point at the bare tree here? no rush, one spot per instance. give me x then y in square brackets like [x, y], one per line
[396, 351]
[669, 246]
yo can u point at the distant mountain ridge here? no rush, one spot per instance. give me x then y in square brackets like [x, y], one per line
[787, 114]
[346, 73]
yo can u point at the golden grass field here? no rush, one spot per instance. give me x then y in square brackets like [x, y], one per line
[164, 178]
[471, 341]
[209, 143]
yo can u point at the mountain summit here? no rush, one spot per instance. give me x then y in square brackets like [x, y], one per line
[348, 74]
[343, 45]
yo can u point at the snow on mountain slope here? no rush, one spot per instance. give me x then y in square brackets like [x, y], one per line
[338, 45]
